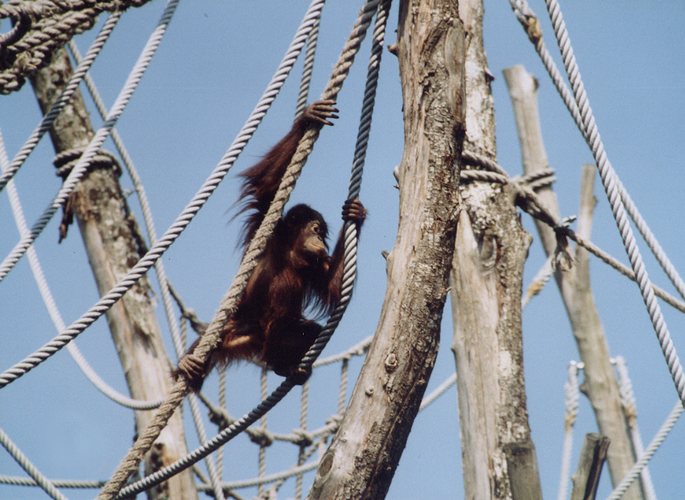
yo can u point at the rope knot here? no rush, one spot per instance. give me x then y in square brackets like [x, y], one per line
[302, 438]
[261, 438]
[533, 28]
[562, 256]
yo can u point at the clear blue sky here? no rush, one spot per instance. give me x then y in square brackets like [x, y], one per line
[209, 72]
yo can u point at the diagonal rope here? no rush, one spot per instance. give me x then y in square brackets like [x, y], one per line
[96, 142]
[642, 461]
[531, 25]
[608, 177]
[181, 222]
[51, 305]
[211, 337]
[71, 87]
[30, 469]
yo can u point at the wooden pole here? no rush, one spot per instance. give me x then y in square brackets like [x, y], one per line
[592, 457]
[600, 383]
[113, 244]
[498, 454]
[364, 454]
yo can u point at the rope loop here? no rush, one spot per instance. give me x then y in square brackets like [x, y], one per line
[66, 160]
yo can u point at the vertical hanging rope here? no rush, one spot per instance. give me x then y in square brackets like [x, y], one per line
[302, 452]
[572, 395]
[261, 462]
[229, 303]
[630, 413]
[308, 68]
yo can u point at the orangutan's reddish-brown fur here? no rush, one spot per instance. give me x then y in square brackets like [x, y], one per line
[295, 273]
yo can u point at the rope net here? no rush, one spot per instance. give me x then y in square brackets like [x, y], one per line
[39, 29]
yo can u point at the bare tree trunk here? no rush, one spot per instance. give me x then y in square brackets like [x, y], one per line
[499, 459]
[600, 383]
[113, 243]
[363, 457]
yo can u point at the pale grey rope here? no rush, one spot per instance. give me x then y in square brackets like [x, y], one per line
[531, 25]
[249, 261]
[94, 145]
[159, 268]
[609, 177]
[571, 399]
[438, 391]
[302, 452]
[30, 469]
[630, 413]
[358, 349]
[305, 84]
[342, 390]
[71, 87]
[58, 483]
[222, 404]
[261, 459]
[642, 461]
[181, 222]
[249, 483]
[221, 417]
[308, 68]
[51, 305]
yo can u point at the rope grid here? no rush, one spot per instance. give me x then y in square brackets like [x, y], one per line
[211, 337]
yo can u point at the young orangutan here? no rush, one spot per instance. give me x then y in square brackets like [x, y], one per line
[294, 273]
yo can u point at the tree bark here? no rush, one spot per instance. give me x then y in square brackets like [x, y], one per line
[600, 384]
[114, 244]
[498, 454]
[364, 454]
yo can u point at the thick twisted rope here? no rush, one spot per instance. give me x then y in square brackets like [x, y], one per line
[28, 466]
[79, 169]
[181, 222]
[41, 27]
[608, 177]
[211, 337]
[55, 109]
